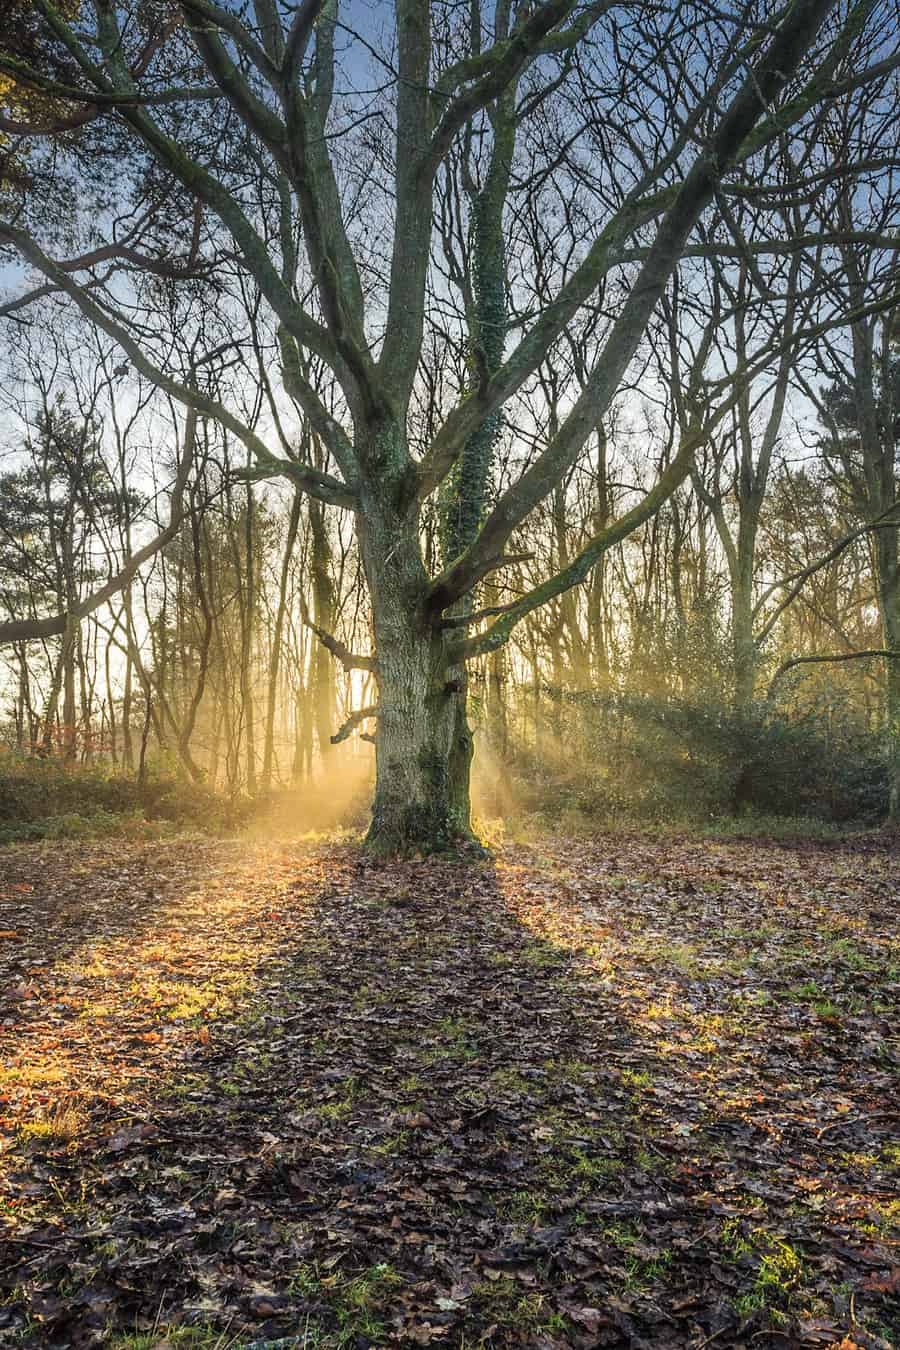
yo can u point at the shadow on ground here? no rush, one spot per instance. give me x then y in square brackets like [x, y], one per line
[557, 1101]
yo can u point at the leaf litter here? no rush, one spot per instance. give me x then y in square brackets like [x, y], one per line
[618, 1092]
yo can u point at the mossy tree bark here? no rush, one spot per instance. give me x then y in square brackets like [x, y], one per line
[417, 808]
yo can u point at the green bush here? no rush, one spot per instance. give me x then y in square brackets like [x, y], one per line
[73, 825]
[49, 799]
[629, 756]
[32, 789]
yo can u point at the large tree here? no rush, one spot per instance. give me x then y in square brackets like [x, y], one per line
[223, 145]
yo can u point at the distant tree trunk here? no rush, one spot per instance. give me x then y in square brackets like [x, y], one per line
[322, 667]
[277, 637]
[69, 715]
[248, 619]
[303, 736]
[24, 731]
[145, 736]
[128, 691]
[111, 706]
[189, 719]
[597, 643]
[890, 604]
[744, 652]
[568, 601]
[877, 489]
[213, 769]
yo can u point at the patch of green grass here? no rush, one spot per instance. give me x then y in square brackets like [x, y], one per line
[359, 1302]
[779, 1268]
[681, 956]
[621, 1234]
[339, 1108]
[849, 954]
[650, 1162]
[392, 1145]
[887, 1223]
[65, 1124]
[192, 1338]
[569, 1070]
[751, 998]
[543, 956]
[773, 827]
[454, 1035]
[508, 1306]
[637, 1079]
[510, 1080]
[566, 1166]
[306, 1282]
[590, 1167]
[643, 1272]
[356, 1302]
[733, 1239]
[808, 992]
[525, 1208]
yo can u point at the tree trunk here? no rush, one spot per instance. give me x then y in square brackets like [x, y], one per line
[416, 809]
[887, 549]
[462, 752]
[323, 600]
[248, 617]
[69, 652]
[277, 638]
[128, 694]
[419, 806]
[743, 644]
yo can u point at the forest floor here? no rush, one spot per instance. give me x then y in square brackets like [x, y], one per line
[614, 1092]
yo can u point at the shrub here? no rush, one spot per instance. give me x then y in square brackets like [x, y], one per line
[49, 799]
[630, 756]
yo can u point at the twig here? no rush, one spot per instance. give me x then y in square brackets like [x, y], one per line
[876, 1115]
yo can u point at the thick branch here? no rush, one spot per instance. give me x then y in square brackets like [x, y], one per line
[648, 202]
[815, 660]
[199, 182]
[353, 721]
[499, 632]
[497, 67]
[349, 660]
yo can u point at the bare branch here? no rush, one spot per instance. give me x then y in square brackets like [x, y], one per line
[349, 660]
[26, 630]
[317, 484]
[831, 656]
[353, 721]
